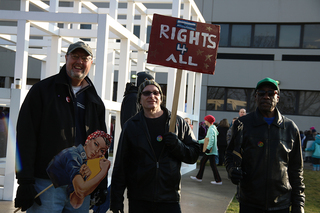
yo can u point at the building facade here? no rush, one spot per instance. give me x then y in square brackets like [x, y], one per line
[278, 39]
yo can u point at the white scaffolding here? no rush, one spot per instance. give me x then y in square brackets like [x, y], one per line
[46, 35]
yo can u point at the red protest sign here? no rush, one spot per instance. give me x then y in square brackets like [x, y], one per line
[183, 44]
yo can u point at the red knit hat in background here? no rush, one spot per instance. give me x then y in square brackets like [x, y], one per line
[210, 119]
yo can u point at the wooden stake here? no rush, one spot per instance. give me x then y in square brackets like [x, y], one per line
[35, 196]
[175, 101]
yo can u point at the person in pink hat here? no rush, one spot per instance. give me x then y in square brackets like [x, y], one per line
[210, 153]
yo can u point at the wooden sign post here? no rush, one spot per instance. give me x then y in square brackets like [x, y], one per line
[175, 100]
[183, 44]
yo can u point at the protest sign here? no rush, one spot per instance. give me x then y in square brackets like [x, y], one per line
[183, 44]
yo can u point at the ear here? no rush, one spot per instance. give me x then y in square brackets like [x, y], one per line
[278, 98]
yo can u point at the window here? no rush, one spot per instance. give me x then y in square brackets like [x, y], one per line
[215, 98]
[289, 36]
[241, 35]
[224, 35]
[309, 103]
[311, 38]
[270, 35]
[287, 102]
[2, 82]
[236, 99]
[292, 102]
[136, 31]
[265, 35]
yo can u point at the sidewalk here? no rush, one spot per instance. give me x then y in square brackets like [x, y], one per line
[204, 196]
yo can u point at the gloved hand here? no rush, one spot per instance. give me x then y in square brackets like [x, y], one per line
[170, 139]
[98, 197]
[235, 174]
[207, 151]
[25, 196]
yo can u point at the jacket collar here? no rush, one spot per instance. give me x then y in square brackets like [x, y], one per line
[63, 78]
[278, 120]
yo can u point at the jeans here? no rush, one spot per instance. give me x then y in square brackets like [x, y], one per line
[55, 200]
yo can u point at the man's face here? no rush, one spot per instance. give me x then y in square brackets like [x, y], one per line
[77, 64]
[242, 112]
[267, 98]
[150, 98]
[96, 148]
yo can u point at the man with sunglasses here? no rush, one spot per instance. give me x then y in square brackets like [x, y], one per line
[148, 158]
[264, 157]
[59, 112]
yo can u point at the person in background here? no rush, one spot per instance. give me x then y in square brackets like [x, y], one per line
[202, 134]
[242, 112]
[149, 157]
[222, 139]
[210, 153]
[314, 132]
[264, 157]
[58, 112]
[309, 139]
[229, 132]
[129, 105]
[188, 120]
[315, 148]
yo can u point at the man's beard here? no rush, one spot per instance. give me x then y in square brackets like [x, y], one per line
[80, 76]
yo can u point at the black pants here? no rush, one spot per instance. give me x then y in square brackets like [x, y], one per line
[213, 165]
[249, 209]
[139, 206]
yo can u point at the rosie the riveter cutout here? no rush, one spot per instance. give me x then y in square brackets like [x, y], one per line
[183, 44]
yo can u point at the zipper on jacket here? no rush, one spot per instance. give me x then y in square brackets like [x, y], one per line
[267, 154]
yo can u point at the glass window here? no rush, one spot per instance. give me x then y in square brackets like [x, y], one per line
[241, 35]
[289, 36]
[215, 98]
[252, 102]
[224, 35]
[85, 26]
[2, 81]
[311, 36]
[136, 30]
[287, 102]
[264, 35]
[309, 103]
[236, 99]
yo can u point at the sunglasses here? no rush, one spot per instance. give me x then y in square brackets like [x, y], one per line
[148, 93]
[270, 93]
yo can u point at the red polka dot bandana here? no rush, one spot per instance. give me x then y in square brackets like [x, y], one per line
[102, 134]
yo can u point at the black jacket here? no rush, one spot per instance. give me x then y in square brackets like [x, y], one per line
[271, 161]
[46, 123]
[137, 168]
[129, 105]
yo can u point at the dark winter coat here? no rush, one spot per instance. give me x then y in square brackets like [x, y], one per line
[272, 162]
[46, 123]
[137, 168]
